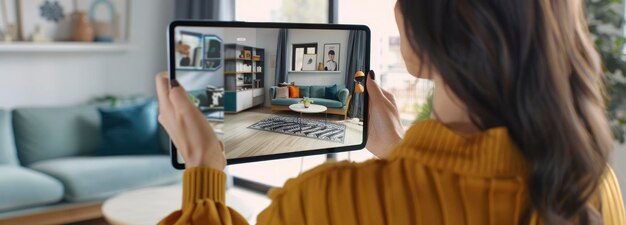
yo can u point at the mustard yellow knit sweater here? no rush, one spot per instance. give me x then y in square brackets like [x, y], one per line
[433, 177]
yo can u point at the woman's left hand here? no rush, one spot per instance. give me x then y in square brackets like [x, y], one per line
[189, 130]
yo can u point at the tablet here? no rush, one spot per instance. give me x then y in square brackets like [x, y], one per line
[274, 90]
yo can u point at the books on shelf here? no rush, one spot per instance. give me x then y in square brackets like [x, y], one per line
[238, 67]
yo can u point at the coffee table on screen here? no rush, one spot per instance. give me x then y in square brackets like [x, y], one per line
[313, 108]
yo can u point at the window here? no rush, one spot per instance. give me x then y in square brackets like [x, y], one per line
[301, 11]
[386, 59]
[298, 51]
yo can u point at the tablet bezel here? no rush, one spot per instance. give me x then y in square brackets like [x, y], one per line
[223, 24]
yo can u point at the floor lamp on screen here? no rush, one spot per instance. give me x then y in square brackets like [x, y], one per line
[358, 89]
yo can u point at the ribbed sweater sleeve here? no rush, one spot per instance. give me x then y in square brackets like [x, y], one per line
[204, 192]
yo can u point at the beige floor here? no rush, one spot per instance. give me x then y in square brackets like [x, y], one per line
[241, 141]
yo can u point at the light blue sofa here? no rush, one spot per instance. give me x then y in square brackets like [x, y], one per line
[338, 105]
[49, 158]
[20, 186]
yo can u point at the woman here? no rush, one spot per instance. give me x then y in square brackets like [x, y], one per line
[519, 134]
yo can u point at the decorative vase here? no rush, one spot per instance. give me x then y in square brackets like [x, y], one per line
[320, 66]
[307, 104]
[39, 35]
[82, 29]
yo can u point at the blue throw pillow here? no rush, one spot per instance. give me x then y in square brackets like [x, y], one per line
[331, 92]
[304, 91]
[317, 92]
[130, 130]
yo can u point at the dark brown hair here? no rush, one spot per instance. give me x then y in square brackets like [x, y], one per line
[528, 65]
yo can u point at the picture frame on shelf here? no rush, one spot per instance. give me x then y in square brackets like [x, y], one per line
[331, 56]
[45, 19]
[9, 29]
[297, 53]
[309, 62]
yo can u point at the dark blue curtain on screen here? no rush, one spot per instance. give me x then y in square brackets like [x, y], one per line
[356, 62]
[281, 57]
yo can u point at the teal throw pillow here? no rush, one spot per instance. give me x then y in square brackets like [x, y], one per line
[331, 92]
[130, 130]
[317, 92]
[304, 91]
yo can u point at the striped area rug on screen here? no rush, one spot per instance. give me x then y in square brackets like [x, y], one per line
[310, 128]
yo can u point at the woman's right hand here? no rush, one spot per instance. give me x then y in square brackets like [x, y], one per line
[385, 130]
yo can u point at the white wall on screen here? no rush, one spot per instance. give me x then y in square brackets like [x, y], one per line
[321, 37]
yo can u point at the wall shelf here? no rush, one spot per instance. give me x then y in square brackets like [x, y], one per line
[236, 99]
[17, 47]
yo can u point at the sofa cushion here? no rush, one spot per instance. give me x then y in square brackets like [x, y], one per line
[53, 132]
[342, 95]
[318, 92]
[282, 92]
[331, 92]
[7, 144]
[94, 178]
[21, 187]
[130, 130]
[327, 102]
[285, 101]
[294, 92]
[305, 91]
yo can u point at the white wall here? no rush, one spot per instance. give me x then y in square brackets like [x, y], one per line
[321, 37]
[52, 78]
[268, 39]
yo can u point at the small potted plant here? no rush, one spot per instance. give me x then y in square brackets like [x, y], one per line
[307, 102]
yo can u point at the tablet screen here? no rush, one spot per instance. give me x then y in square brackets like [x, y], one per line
[275, 92]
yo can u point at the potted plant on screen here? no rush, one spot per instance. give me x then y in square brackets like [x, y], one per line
[307, 102]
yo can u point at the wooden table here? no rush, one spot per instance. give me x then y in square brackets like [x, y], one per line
[148, 206]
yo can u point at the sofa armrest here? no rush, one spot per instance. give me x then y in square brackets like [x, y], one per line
[273, 92]
[342, 95]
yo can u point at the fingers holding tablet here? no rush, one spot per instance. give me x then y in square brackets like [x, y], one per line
[188, 130]
[386, 131]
